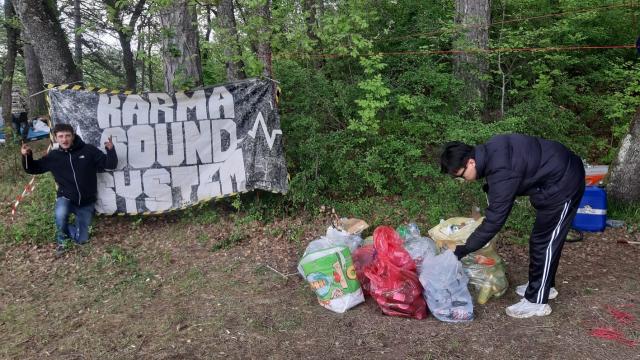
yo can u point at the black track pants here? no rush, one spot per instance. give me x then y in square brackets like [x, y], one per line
[545, 246]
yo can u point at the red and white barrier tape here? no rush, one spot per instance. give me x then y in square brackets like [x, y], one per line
[27, 190]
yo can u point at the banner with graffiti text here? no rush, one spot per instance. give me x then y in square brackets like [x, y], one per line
[177, 150]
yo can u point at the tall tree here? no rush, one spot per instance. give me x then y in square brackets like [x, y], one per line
[180, 50]
[623, 184]
[125, 30]
[149, 62]
[311, 9]
[13, 33]
[473, 18]
[77, 33]
[41, 24]
[229, 38]
[35, 83]
[264, 38]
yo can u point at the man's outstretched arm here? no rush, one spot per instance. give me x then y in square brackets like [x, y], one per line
[32, 166]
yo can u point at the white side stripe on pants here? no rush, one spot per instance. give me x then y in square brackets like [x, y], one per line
[549, 253]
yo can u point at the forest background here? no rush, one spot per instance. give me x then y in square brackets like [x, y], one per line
[370, 89]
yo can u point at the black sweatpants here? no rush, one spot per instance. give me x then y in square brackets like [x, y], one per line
[545, 246]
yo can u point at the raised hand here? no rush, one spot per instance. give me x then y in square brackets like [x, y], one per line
[108, 144]
[25, 150]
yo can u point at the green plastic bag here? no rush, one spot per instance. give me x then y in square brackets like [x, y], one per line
[331, 274]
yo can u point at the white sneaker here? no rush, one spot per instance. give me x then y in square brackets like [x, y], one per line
[526, 309]
[521, 289]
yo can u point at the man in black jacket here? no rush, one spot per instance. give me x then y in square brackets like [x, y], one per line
[74, 166]
[519, 165]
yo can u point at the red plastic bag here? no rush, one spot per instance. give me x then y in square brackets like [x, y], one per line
[394, 283]
[362, 257]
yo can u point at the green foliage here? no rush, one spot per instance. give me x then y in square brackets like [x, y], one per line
[35, 221]
[237, 235]
[203, 213]
[374, 97]
[630, 213]
[118, 256]
[365, 109]
[372, 127]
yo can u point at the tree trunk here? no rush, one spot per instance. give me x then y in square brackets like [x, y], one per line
[139, 61]
[264, 35]
[207, 35]
[229, 39]
[77, 35]
[35, 83]
[623, 184]
[311, 17]
[149, 62]
[180, 50]
[9, 63]
[40, 23]
[473, 16]
[127, 60]
[125, 34]
[310, 8]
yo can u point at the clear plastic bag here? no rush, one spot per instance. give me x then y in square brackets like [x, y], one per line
[343, 238]
[445, 288]
[419, 247]
[486, 272]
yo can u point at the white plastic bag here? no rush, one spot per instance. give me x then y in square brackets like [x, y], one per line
[445, 288]
[342, 238]
[333, 238]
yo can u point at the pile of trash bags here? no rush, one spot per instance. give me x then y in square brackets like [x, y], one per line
[406, 273]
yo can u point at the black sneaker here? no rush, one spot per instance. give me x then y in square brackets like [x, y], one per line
[60, 250]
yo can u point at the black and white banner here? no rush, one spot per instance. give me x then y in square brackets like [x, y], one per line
[177, 150]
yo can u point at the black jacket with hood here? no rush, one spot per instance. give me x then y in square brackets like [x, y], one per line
[520, 165]
[74, 169]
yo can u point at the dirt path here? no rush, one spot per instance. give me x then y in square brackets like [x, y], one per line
[156, 290]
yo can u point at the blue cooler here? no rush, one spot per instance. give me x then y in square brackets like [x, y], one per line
[592, 213]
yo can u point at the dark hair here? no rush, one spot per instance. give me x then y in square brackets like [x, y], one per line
[454, 156]
[62, 128]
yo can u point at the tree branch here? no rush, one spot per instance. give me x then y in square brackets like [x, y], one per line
[137, 11]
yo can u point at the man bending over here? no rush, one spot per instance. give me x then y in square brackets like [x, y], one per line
[519, 165]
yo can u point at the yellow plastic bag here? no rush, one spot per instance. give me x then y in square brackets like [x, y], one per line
[454, 231]
[485, 268]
